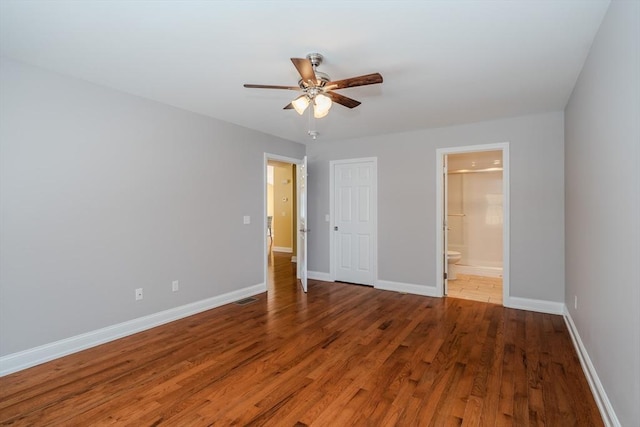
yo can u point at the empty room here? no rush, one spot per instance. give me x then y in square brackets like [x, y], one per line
[327, 213]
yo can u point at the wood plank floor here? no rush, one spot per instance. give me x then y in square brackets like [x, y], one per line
[340, 355]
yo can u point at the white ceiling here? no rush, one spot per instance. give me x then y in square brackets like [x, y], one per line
[443, 62]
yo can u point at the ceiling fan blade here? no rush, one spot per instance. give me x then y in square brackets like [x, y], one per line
[304, 67]
[250, 86]
[343, 100]
[368, 79]
[288, 107]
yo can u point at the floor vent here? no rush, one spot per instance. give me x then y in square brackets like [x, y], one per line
[246, 301]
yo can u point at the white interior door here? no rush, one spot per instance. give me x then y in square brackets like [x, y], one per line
[354, 193]
[301, 178]
[445, 223]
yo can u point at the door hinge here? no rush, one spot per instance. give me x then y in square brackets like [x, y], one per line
[445, 276]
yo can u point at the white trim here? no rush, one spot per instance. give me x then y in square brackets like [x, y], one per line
[302, 223]
[408, 288]
[374, 214]
[440, 153]
[282, 249]
[318, 275]
[47, 352]
[541, 306]
[602, 400]
[478, 270]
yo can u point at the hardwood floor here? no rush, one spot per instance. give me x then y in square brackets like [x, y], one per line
[340, 355]
[476, 288]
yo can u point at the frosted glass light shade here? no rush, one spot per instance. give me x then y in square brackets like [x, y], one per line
[300, 104]
[321, 105]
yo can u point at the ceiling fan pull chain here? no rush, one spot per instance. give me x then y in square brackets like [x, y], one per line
[312, 132]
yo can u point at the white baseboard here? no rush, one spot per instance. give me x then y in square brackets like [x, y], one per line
[541, 306]
[282, 249]
[318, 275]
[477, 271]
[45, 353]
[604, 404]
[429, 291]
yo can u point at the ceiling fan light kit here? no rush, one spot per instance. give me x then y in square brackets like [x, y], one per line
[318, 89]
[321, 105]
[300, 104]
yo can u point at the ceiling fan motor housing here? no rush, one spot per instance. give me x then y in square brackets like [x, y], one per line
[321, 78]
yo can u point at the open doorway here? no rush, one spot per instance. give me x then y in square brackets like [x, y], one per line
[281, 220]
[284, 220]
[473, 223]
[281, 207]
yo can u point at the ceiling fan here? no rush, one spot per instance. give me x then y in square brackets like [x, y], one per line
[318, 89]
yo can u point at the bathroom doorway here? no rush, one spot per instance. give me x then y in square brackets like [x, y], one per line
[473, 223]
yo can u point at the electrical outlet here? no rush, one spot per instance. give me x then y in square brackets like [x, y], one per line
[175, 285]
[575, 302]
[138, 294]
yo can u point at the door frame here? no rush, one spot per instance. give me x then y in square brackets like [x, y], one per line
[284, 159]
[374, 215]
[440, 220]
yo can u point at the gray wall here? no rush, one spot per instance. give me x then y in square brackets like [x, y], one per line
[407, 198]
[603, 207]
[103, 192]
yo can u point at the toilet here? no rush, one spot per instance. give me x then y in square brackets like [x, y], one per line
[453, 257]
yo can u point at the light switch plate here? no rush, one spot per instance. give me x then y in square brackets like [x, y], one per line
[246, 219]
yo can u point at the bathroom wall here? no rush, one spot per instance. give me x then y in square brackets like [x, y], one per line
[477, 234]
